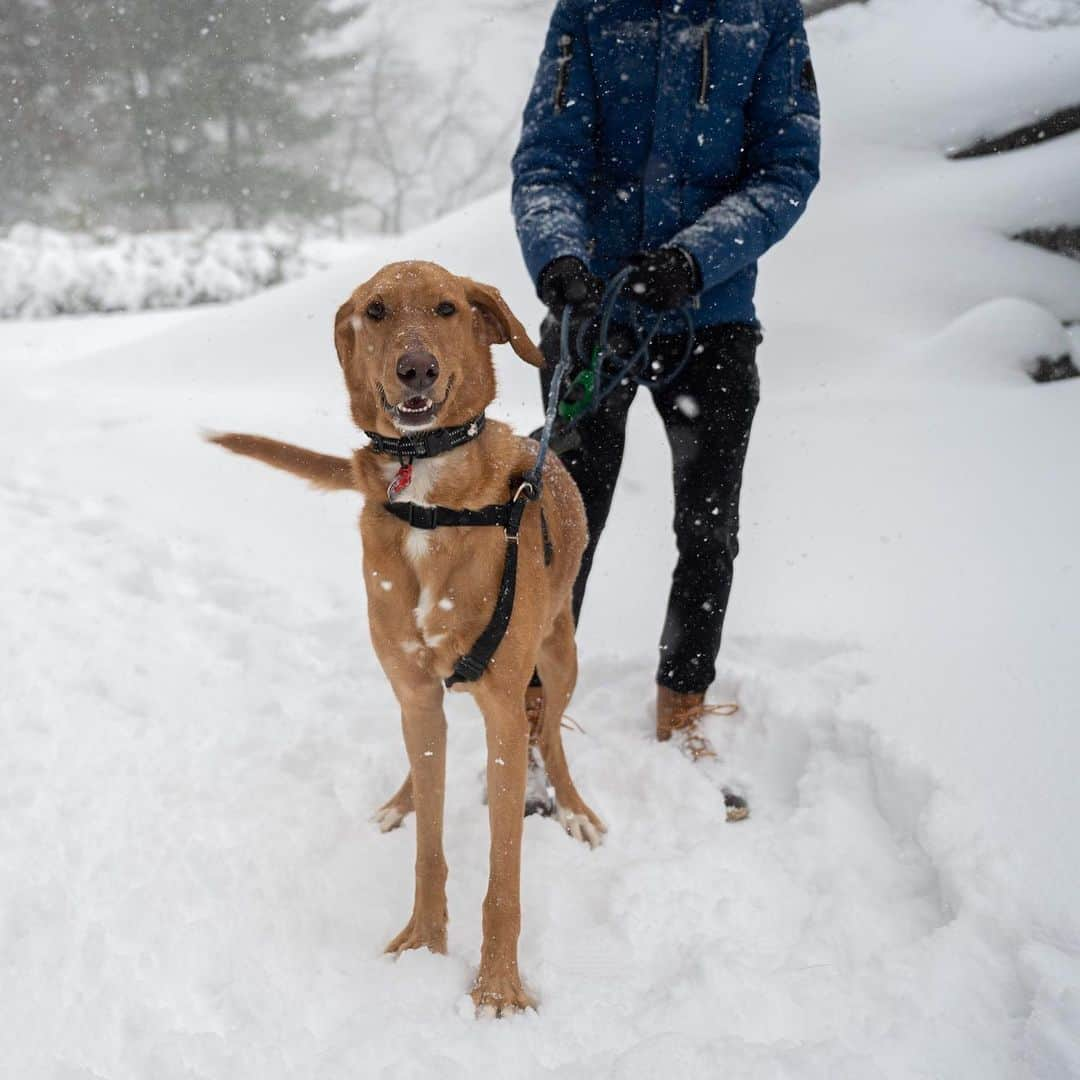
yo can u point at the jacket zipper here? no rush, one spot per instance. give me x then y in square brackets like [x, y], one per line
[703, 85]
[566, 52]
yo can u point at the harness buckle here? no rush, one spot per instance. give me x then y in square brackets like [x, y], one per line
[467, 669]
[422, 517]
[515, 511]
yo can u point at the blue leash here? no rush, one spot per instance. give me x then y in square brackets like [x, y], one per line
[635, 367]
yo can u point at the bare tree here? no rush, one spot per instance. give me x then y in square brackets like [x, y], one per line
[1037, 14]
[414, 147]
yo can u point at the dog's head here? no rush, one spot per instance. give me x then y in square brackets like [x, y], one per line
[415, 343]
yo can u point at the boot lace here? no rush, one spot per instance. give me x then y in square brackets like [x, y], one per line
[686, 719]
[534, 713]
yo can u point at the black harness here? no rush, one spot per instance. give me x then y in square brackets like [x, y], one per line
[507, 516]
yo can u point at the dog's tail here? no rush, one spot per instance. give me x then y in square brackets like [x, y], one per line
[323, 471]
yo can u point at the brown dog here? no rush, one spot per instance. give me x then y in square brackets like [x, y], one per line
[414, 346]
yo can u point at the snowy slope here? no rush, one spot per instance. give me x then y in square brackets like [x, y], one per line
[196, 729]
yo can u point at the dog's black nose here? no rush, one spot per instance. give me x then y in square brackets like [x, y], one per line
[417, 370]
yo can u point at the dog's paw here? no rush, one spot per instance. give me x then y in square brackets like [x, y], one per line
[389, 817]
[417, 936]
[584, 826]
[500, 995]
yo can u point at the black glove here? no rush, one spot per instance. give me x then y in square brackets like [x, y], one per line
[567, 280]
[664, 278]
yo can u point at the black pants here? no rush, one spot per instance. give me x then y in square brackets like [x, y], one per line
[707, 413]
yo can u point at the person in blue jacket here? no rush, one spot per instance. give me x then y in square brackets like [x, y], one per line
[679, 138]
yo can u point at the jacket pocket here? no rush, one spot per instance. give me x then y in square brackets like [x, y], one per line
[562, 71]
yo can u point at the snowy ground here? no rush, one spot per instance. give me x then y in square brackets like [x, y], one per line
[195, 728]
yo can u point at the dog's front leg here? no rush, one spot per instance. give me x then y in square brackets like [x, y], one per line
[424, 726]
[498, 986]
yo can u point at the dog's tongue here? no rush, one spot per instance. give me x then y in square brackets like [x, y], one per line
[416, 404]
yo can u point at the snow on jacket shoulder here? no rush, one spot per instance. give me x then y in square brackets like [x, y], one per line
[651, 122]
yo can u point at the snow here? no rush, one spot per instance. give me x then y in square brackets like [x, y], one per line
[46, 272]
[1001, 338]
[197, 733]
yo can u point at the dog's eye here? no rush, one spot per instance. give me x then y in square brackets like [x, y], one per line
[446, 309]
[376, 310]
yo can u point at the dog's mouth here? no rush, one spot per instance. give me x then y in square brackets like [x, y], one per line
[414, 412]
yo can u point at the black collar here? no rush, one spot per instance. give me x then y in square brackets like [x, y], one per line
[425, 444]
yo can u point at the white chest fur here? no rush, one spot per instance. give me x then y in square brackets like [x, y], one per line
[425, 473]
[417, 548]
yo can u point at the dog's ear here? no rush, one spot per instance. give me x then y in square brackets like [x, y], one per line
[498, 324]
[344, 332]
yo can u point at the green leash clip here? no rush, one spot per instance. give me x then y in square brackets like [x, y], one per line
[579, 396]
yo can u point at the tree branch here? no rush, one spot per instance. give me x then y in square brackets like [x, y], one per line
[1063, 122]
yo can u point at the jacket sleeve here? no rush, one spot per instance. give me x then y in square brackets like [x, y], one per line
[781, 167]
[556, 156]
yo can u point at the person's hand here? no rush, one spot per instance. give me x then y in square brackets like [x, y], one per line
[567, 280]
[664, 278]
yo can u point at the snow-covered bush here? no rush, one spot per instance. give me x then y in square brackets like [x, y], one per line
[44, 272]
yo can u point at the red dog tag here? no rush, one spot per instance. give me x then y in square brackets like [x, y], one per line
[402, 479]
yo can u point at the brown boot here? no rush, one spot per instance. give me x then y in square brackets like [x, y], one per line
[534, 710]
[681, 715]
[675, 711]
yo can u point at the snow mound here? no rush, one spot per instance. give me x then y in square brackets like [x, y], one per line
[1000, 341]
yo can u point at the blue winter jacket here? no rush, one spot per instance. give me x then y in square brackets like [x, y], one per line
[655, 122]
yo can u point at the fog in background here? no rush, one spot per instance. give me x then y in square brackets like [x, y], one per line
[140, 115]
[344, 116]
